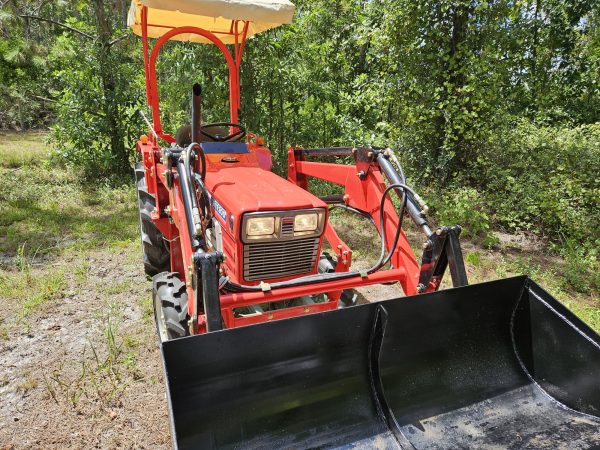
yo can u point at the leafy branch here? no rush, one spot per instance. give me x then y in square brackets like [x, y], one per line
[60, 24]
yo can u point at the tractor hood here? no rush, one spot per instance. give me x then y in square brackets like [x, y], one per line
[248, 189]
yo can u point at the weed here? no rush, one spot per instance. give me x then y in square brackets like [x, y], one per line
[102, 372]
[474, 258]
[502, 268]
[27, 384]
[31, 287]
[118, 288]
[21, 262]
[80, 272]
[60, 386]
[581, 269]
[45, 287]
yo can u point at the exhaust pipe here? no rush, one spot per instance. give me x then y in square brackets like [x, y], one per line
[196, 113]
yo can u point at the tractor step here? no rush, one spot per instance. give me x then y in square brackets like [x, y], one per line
[499, 364]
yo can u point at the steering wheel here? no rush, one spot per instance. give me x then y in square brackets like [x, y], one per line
[236, 135]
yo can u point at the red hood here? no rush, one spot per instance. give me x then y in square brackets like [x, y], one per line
[246, 189]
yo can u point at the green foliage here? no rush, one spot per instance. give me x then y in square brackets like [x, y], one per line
[545, 179]
[466, 207]
[493, 105]
[23, 91]
[582, 267]
[86, 120]
[473, 258]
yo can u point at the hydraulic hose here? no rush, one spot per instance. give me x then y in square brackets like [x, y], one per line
[188, 202]
[204, 195]
[192, 212]
[383, 261]
[411, 205]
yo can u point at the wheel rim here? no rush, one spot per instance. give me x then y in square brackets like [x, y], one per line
[161, 324]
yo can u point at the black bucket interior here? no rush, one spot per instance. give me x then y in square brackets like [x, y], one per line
[494, 365]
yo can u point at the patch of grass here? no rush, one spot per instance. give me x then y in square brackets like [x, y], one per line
[105, 367]
[23, 149]
[43, 288]
[80, 272]
[473, 258]
[590, 314]
[118, 288]
[31, 287]
[51, 208]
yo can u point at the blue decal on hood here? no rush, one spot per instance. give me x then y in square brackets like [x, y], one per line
[219, 209]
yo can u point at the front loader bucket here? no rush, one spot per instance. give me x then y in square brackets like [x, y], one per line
[494, 365]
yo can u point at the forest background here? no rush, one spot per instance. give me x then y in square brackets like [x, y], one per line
[492, 106]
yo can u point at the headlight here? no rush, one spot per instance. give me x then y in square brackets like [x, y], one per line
[260, 226]
[269, 225]
[306, 222]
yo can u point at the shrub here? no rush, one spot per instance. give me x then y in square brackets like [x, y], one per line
[582, 269]
[545, 179]
[463, 206]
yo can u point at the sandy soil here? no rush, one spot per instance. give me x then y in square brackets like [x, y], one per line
[56, 393]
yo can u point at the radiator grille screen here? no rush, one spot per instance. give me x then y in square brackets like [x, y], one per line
[269, 260]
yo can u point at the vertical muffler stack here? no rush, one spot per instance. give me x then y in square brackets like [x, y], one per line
[499, 364]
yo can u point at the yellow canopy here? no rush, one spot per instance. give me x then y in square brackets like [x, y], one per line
[216, 16]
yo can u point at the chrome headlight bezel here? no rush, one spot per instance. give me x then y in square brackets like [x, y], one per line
[283, 219]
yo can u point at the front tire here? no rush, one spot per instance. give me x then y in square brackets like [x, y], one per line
[155, 248]
[170, 300]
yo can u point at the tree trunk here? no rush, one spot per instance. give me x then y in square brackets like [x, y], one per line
[110, 106]
[456, 72]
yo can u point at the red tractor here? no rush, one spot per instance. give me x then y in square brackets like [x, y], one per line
[229, 243]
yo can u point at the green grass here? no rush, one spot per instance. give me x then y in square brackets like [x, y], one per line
[49, 221]
[48, 210]
[23, 149]
[30, 289]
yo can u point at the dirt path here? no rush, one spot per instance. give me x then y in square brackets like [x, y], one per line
[83, 370]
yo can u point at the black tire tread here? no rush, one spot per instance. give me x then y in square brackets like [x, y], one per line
[155, 249]
[170, 294]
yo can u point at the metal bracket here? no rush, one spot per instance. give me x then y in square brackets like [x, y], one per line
[378, 393]
[207, 288]
[364, 158]
[442, 250]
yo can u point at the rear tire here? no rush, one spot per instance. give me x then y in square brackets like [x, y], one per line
[155, 248]
[170, 300]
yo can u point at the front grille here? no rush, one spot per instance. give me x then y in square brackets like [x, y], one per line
[287, 227]
[270, 260]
